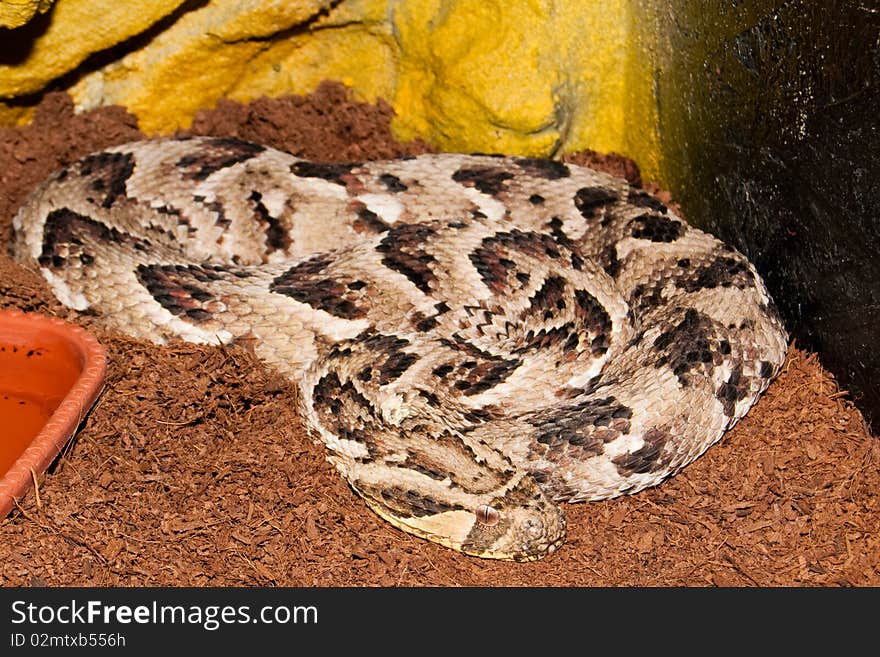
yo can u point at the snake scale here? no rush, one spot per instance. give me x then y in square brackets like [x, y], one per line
[475, 338]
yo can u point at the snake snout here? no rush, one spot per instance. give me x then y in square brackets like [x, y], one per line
[538, 534]
[533, 528]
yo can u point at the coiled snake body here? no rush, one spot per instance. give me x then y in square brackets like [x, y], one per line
[475, 338]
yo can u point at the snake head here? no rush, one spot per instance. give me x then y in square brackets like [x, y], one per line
[522, 525]
[518, 523]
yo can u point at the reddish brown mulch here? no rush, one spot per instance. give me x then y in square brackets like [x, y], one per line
[193, 468]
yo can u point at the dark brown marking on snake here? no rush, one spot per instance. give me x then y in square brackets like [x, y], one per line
[110, 171]
[392, 183]
[608, 260]
[766, 370]
[346, 411]
[723, 271]
[644, 296]
[430, 397]
[481, 376]
[488, 180]
[596, 320]
[734, 390]
[311, 267]
[648, 458]
[367, 221]
[656, 228]
[491, 263]
[562, 239]
[331, 172]
[544, 338]
[543, 168]
[173, 288]
[404, 251]
[396, 360]
[491, 259]
[643, 199]
[395, 365]
[540, 476]
[406, 502]
[329, 393]
[307, 283]
[481, 415]
[207, 273]
[424, 324]
[529, 243]
[224, 152]
[587, 425]
[426, 467]
[688, 345]
[550, 298]
[442, 370]
[536, 199]
[277, 237]
[68, 229]
[589, 200]
[457, 343]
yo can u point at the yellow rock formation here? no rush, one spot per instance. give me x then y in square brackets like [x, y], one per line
[15, 13]
[519, 76]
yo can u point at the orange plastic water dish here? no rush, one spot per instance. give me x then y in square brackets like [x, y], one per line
[51, 373]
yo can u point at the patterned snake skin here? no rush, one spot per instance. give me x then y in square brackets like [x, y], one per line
[475, 338]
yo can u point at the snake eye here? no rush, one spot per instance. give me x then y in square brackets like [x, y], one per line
[486, 515]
